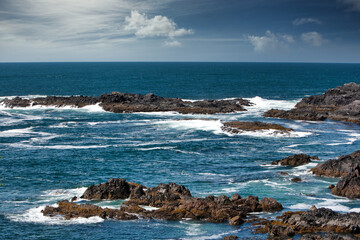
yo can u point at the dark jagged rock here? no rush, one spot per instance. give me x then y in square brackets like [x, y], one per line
[349, 186]
[312, 221]
[128, 103]
[238, 127]
[338, 167]
[331, 186]
[174, 202]
[283, 173]
[341, 103]
[295, 160]
[115, 188]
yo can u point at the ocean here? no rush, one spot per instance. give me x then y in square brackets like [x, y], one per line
[50, 154]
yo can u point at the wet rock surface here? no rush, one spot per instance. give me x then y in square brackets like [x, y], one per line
[238, 127]
[127, 103]
[349, 186]
[338, 167]
[173, 202]
[341, 103]
[295, 160]
[311, 221]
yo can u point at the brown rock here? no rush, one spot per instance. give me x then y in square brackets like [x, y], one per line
[238, 127]
[296, 179]
[270, 204]
[349, 186]
[230, 238]
[235, 221]
[295, 160]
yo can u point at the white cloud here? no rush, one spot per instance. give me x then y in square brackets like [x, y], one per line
[355, 4]
[313, 38]
[270, 41]
[158, 26]
[301, 21]
[69, 22]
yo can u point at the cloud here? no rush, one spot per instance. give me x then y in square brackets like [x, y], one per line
[313, 38]
[301, 21]
[158, 26]
[270, 41]
[355, 4]
[68, 23]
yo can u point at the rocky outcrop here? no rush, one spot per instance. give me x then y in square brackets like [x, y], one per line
[311, 221]
[295, 160]
[238, 127]
[173, 202]
[341, 103]
[338, 167]
[128, 103]
[115, 188]
[349, 186]
[326, 236]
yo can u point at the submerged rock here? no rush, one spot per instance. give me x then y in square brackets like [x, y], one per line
[296, 179]
[349, 186]
[295, 160]
[173, 202]
[126, 102]
[238, 127]
[338, 167]
[341, 103]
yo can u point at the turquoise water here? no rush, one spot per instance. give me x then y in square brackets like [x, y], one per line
[50, 154]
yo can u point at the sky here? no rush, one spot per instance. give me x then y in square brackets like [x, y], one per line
[180, 30]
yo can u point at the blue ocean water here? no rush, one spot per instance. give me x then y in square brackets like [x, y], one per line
[51, 154]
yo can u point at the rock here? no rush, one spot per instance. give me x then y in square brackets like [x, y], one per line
[72, 210]
[73, 199]
[230, 238]
[326, 236]
[270, 204]
[278, 231]
[238, 127]
[331, 186]
[341, 103]
[295, 160]
[349, 186]
[115, 188]
[235, 221]
[174, 202]
[127, 102]
[337, 167]
[312, 221]
[283, 173]
[235, 197]
[296, 179]
[313, 208]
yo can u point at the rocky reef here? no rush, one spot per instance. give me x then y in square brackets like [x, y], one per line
[238, 127]
[315, 220]
[171, 201]
[294, 160]
[341, 103]
[128, 103]
[338, 167]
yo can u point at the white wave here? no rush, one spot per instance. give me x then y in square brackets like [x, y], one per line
[22, 132]
[333, 204]
[22, 145]
[194, 236]
[149, 208]
[348, 141]
[93, 108]
[214, 174]
[155, 148]
[34, 215]
[193, 124]
[274, 133]
[301, 206]
[24, 97]
[262, 105]
[61, 194]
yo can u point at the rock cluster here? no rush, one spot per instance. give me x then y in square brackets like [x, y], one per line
[127, 103]
[173, 202]
[311, 221]
[341, 103]
[238, 127]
